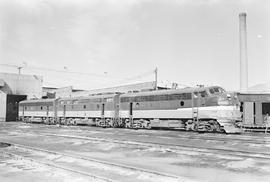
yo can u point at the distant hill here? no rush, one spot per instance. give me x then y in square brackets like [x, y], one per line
[262, 88]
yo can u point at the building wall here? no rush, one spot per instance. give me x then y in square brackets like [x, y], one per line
[30, 85]
[258, 113]
[253, 110]
[63, 92]
[3, 101]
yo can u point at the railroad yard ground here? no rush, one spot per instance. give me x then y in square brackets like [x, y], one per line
[38, 152]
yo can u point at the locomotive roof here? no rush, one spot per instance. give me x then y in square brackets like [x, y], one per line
[171, 91]
[37, 101]
[89, 97]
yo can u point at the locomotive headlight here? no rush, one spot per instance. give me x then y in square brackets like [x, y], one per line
[229, 96]
[223, 102]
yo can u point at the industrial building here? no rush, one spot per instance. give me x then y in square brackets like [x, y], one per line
[145, 86]
[17, 87]
[256, 107]
[13, 89]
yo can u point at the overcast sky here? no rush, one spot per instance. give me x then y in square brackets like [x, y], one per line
[122, 41]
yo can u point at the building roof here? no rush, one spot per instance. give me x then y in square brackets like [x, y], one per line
[260, 88]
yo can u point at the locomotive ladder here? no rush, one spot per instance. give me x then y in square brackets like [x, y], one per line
[195, 109]
[195, 114]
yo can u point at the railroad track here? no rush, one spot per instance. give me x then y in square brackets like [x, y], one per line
[217, 137]
[93, 176]
[230, 139]
[241, 153]
[115, 176]
[168, 146]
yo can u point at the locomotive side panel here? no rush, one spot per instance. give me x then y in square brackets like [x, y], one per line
[37, 110]
[92, 109]
[198, 109]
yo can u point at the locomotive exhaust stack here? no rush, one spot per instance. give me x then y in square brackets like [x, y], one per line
[243, 52]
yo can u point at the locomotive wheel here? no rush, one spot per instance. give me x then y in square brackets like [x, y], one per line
[209, 128]
[148, 126]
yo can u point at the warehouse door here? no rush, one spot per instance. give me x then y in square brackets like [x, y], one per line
[12, 109]
[248, 113]
[265, 109]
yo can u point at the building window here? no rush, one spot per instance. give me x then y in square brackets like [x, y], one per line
[266, 108]
[84, 106]
[41, 108]
[25, 108]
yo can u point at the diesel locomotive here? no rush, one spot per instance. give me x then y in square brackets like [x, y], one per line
[204, 109]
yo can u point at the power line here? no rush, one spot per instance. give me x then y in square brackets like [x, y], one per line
[66, 71]
[10, 65]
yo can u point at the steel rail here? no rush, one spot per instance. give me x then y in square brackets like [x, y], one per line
[59, 167]
[242, 153]
[137, 169]
[222, 138]
[172, 146]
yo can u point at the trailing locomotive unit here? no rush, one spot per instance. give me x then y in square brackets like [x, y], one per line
[198, 109]
[39, 111]
[99, 110]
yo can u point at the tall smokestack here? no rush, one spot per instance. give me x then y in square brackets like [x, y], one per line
[243, 53]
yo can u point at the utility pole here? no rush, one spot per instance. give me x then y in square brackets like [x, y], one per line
[156, 87]
[10, 65]
[19, 69]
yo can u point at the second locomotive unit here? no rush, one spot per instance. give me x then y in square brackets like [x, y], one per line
[209, 109]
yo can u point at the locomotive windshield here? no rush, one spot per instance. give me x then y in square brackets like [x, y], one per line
[215, 90]
[200, 94]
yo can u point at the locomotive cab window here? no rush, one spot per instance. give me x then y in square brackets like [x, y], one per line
[203, 94]
[212, 91]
